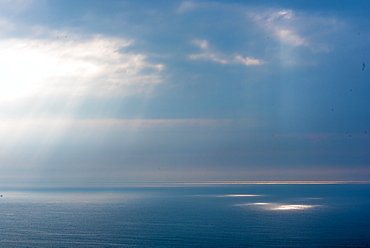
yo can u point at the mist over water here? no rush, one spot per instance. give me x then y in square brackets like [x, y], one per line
[222, 216]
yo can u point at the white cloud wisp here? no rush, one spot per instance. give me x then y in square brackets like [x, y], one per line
[73, 65]
[210, 55]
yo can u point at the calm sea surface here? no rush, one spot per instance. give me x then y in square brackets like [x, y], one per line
[226, 216]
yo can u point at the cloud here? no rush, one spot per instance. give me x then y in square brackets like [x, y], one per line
[209, 56]
[296, 29]
[248, 60]
[281, 23]
[322, 137]
[17, 131]
[214, 56]
[207, 53]
[186, 6]
[288, 36]
[28, 142]
[20, 124]
[66, 63]
[203, 44]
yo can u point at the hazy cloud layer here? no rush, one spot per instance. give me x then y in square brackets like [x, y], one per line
[124, 91]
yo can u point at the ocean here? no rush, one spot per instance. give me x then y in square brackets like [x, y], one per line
[207, 216]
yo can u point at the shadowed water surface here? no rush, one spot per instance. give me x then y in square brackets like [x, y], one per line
[226, 216]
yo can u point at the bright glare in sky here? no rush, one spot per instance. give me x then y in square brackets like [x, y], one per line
[36, 67]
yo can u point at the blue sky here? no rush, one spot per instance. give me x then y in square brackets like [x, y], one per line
[151, 91]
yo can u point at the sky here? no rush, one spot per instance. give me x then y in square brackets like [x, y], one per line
[96, 91]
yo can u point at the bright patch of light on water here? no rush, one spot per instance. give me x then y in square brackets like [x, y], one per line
[277, 206]
[293, 207]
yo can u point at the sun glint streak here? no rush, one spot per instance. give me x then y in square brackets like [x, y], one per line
[277, 206]
[292, 207]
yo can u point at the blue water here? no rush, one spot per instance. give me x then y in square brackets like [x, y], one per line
[227, 216]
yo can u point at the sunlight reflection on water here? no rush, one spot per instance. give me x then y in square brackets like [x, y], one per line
[293, 207]
[277, 206]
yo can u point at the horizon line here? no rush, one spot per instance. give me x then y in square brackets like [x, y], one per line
[175, 184]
